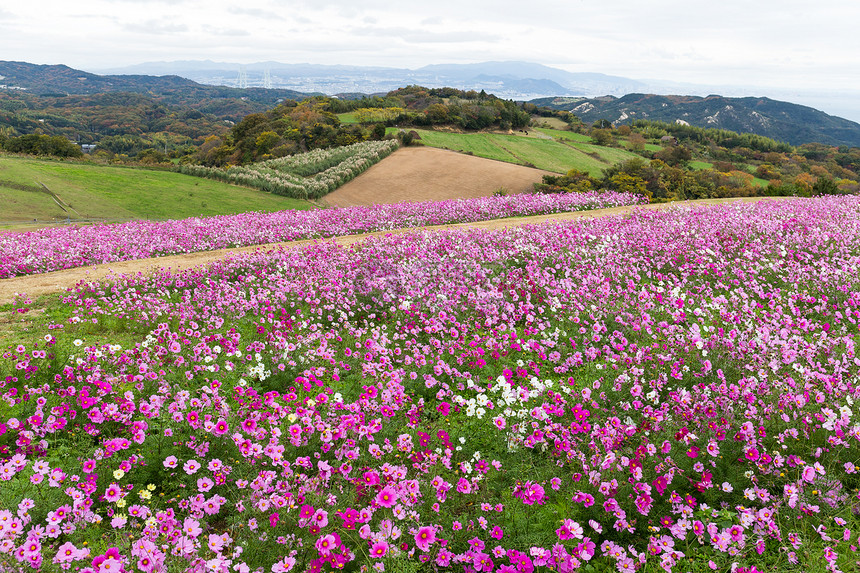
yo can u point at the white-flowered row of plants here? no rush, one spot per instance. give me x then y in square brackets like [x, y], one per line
[304, 176]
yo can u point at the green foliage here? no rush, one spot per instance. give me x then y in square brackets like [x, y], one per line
[287, 129]
[574, 181]
[721, 137]
[825, 186]
[674, 155]
[627, 183]
[34, 144]
[601, 136]
[378, 131]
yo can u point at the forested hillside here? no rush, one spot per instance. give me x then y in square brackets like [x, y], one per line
[780, 120]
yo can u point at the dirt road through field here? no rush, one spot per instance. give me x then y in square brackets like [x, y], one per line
[44, 283]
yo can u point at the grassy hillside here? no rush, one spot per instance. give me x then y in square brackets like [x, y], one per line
[565, 151]
[97, 191]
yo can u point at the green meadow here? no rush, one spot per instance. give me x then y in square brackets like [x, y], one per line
[92, 191]
[558, 151]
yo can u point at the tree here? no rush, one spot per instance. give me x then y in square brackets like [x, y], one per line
[637, 142]
[601, 137]
[825, 186]
[378, 131]
[39, 144]
[267, 141]
[626, 183]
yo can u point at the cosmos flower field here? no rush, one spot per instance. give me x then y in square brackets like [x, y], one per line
[673, 390]
[58, 248]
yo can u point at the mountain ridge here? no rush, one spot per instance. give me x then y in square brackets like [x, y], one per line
[783, 121]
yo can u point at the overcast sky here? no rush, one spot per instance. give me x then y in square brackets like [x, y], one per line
[768, 43]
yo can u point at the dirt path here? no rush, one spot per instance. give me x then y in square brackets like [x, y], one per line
[44, 283]
[429, 174]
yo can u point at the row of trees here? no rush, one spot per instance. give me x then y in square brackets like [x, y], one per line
[39, 144]
[660, 181]
[291, 127]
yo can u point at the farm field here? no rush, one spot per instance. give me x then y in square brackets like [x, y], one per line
[419, 173]
[666, 390]
[545, 154]
[108, 192]
[307, 175]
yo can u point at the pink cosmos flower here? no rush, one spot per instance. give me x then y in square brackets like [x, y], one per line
[204, 484]
[113, 492]
[326, 544]
[378, 549]
[191, 527]
[424, 538]
[320, 518]
[386, 497]
[306, 512]
[190, 467]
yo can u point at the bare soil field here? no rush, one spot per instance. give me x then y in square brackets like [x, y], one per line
[45, 283]
[429, 174]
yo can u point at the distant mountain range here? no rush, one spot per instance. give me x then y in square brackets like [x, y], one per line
[57, 80]
[779, 120]
[190, 83]
[509, 80]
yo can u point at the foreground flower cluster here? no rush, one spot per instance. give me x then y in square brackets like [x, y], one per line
[669, 391]
[68, 247]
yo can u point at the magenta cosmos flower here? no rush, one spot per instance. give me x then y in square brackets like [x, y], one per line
[424, 538]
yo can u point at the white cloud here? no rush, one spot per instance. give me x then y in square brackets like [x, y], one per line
[787, 43]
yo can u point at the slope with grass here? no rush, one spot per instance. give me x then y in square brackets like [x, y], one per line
[91, 191]
[565, 151]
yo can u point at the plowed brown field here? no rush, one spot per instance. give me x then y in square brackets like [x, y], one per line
[429, 174]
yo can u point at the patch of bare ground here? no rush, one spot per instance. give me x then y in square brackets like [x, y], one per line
[58, 281]
[430, 174]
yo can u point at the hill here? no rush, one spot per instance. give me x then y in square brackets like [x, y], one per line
[124, 115]
[60, 80]
[779, 120]
[49, 190]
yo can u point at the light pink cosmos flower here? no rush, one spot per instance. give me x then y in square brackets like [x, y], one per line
[191, 527]
[191, 466]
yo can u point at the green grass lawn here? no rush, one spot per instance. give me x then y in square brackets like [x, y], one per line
[545, 154]
[566, 135]
[480, 144]
[699, 165]
[111, 192]
[347, 117]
